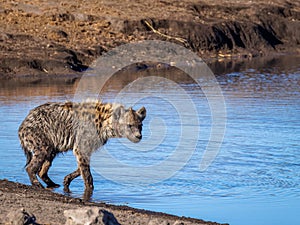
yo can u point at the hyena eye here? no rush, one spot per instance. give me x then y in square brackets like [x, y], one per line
[139, 126]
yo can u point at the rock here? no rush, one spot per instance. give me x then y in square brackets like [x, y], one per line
[20, 217]
[4, 37]
[90, 216]
[157, 221]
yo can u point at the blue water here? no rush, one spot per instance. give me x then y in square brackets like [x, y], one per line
[255, 178]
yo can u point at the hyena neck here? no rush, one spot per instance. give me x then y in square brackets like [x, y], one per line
[100, 114]
[108, 131]
[106, 127]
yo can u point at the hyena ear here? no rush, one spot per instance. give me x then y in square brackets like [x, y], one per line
[141, 113]
[118, 112]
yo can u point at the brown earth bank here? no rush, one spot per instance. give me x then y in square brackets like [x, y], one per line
[47, 37]
[23, 204]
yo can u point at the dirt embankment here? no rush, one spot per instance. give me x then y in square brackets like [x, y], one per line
[63, 37]
[46, 207]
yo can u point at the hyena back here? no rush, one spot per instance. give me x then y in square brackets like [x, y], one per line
[53, 128]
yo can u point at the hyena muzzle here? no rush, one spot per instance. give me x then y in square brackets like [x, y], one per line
[53, 128]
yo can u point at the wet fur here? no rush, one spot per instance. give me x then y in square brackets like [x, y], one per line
[54, 128]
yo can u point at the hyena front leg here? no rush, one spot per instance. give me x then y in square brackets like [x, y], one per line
[68, 179]
[83, 161]
[43, 173]
[35, 165]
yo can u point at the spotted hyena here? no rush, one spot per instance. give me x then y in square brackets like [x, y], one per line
[53, 128]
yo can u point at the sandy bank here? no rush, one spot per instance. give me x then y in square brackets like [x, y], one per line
[48, 208]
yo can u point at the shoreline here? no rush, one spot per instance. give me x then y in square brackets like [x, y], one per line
[48, 207]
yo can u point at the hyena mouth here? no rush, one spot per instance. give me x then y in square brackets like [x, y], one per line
[136, 138]
[139, 137]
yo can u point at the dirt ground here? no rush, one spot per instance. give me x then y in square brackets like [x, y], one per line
[48, 208]
[47, 37]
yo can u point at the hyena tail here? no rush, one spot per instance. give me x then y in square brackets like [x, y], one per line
[28, 155]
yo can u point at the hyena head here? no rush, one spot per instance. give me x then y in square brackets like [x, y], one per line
[128, 122]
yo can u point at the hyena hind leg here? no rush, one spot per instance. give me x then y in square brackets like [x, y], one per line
[43, 173]
[68, 179]
[34, 166]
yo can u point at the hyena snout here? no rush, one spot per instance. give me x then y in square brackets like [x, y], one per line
[137, 134]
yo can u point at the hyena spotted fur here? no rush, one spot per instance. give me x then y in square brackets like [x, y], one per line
[53, 128]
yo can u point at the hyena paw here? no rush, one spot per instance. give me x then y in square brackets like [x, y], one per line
[54, 185]
[37, 184]
[67, 189]
[87, 195]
